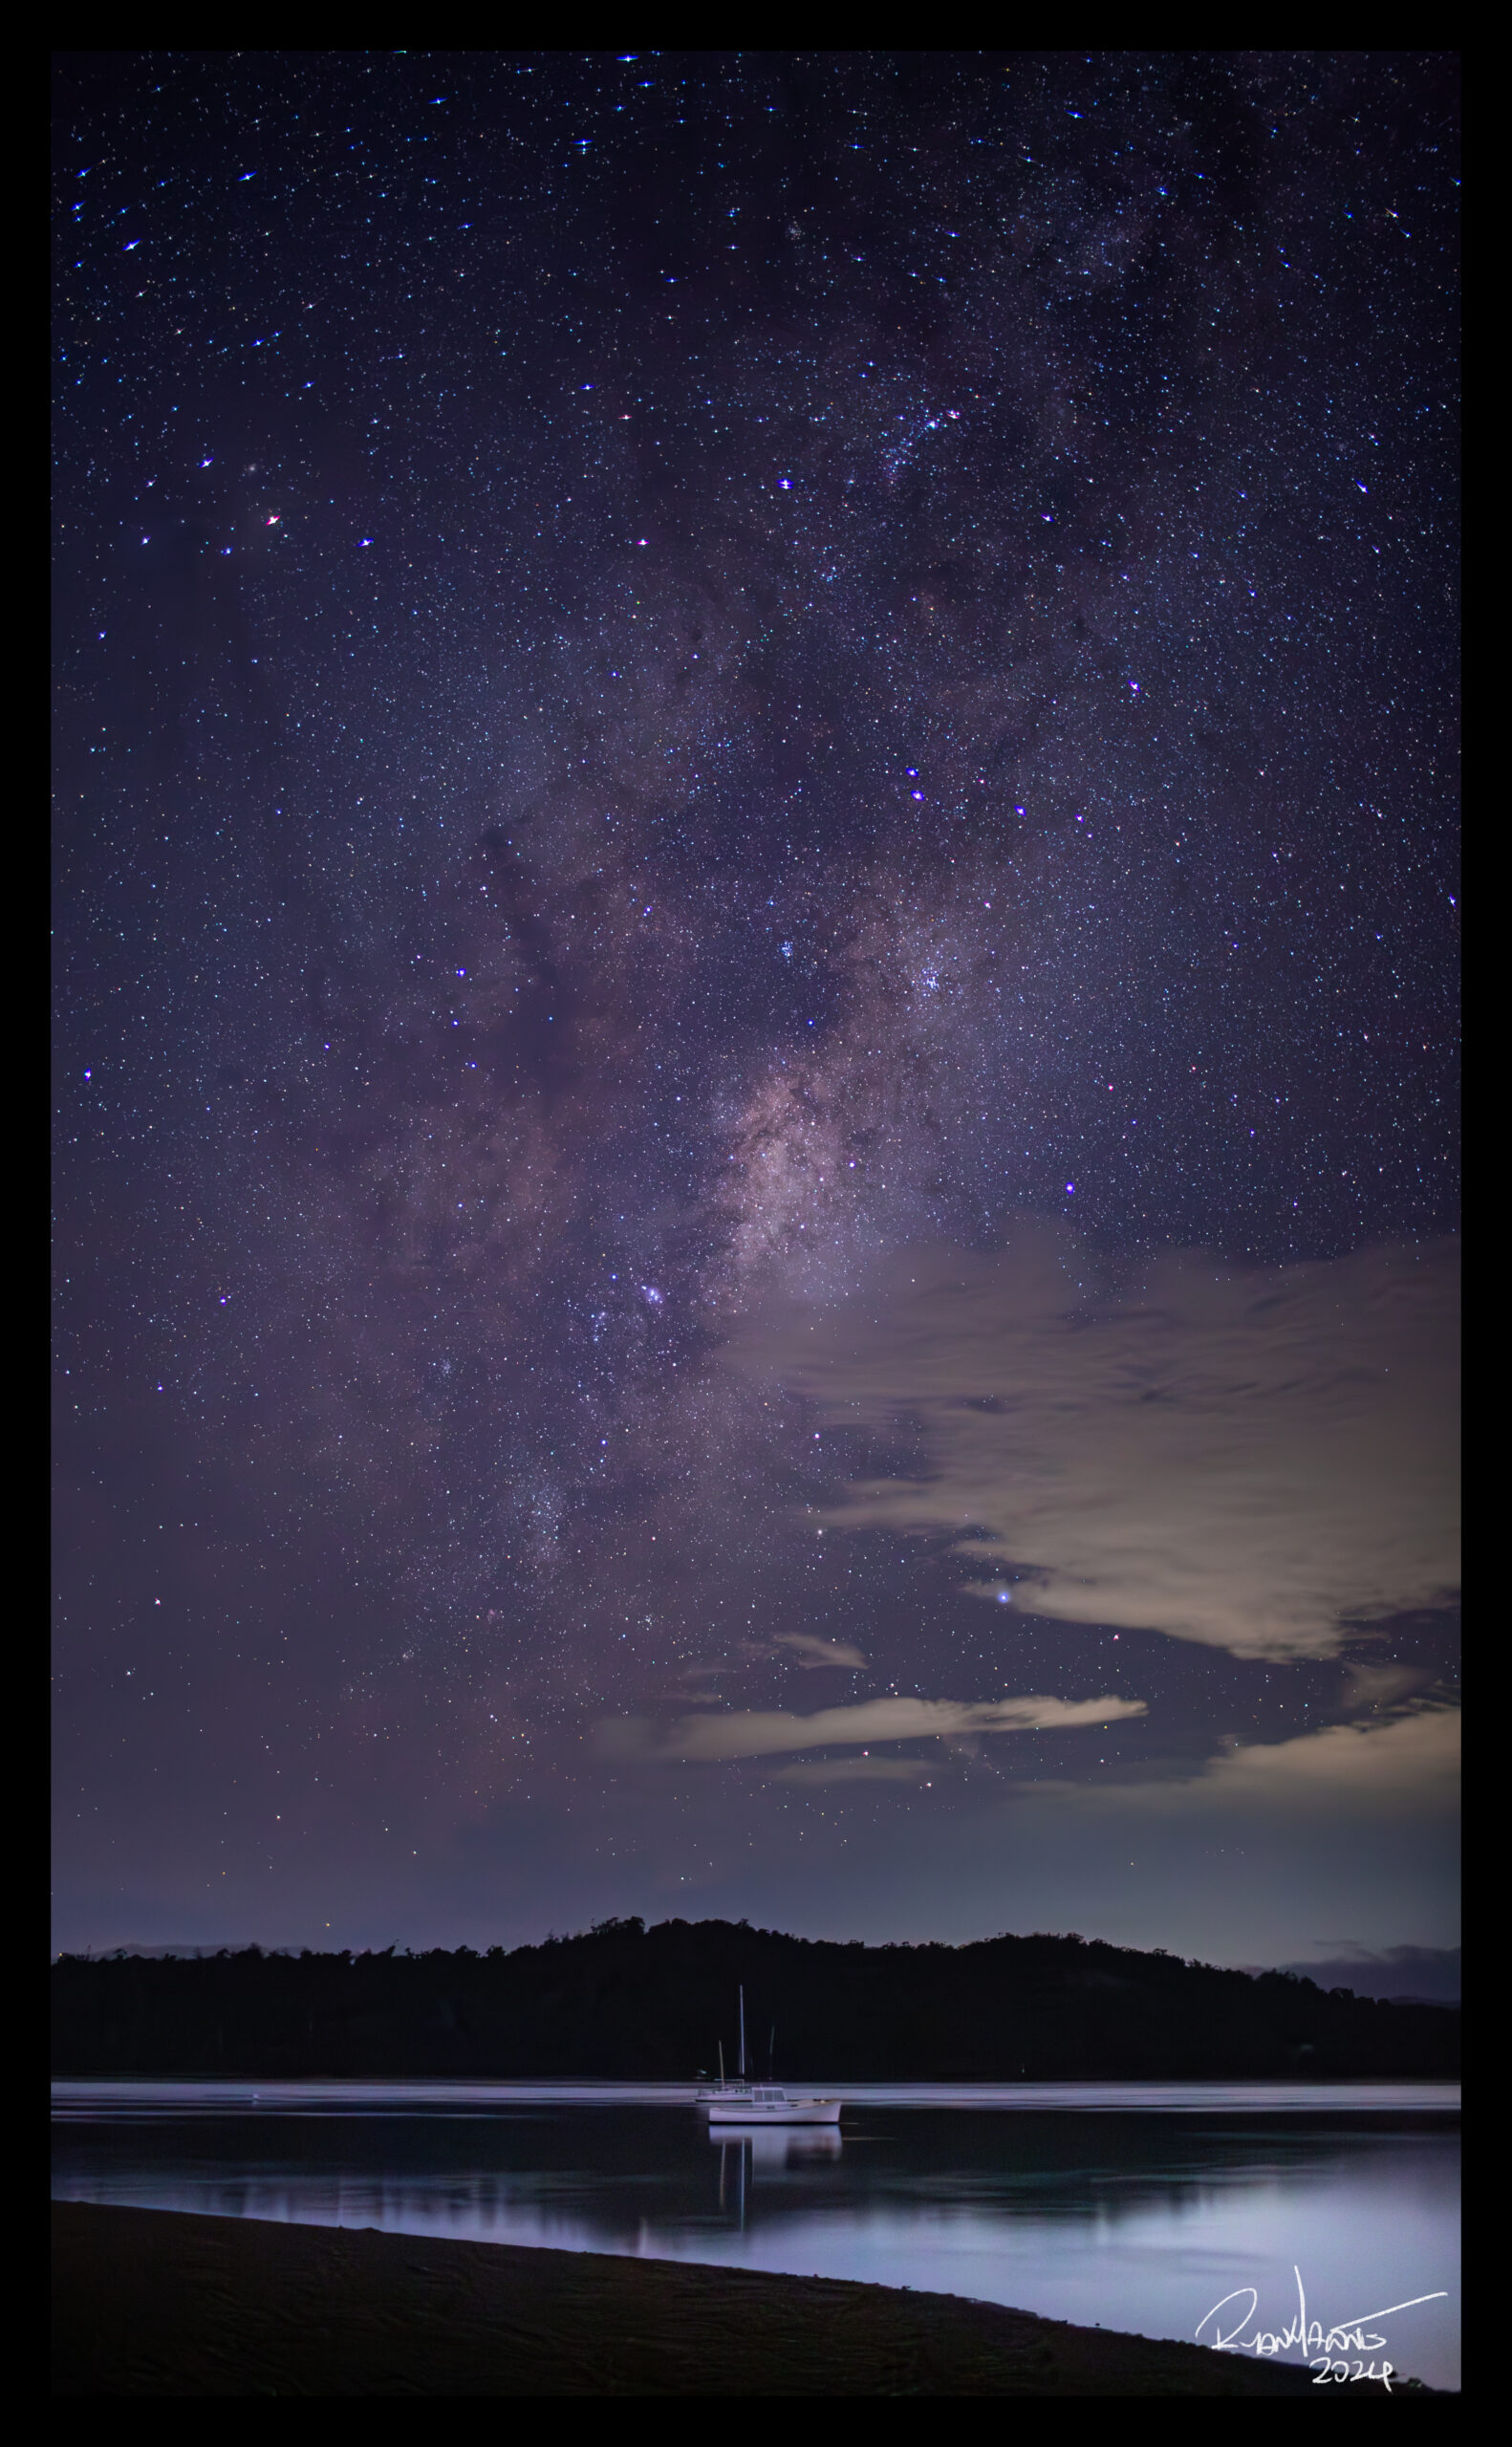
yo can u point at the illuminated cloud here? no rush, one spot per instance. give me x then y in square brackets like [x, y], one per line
[1408, 1766]
[1246, 1458]
[760, 1733]
[1411, 1763]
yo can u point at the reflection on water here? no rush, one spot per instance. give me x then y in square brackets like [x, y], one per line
[799, 2145]
[1135, 2220]
[763, 2149]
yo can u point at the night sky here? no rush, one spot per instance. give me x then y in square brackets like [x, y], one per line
[756, 996]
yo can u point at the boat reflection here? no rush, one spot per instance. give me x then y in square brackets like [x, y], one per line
[780, 2146]
[765, 2150]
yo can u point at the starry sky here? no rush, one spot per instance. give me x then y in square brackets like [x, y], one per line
[755, 925]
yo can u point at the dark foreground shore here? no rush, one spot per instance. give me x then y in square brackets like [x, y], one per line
[150, 2302]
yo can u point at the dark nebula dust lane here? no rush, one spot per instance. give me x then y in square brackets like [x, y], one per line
[756, 832]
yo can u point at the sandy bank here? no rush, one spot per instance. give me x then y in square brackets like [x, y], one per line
[149, 2302]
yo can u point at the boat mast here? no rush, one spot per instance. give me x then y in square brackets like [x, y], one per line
[743, 2034]
[721, 2064]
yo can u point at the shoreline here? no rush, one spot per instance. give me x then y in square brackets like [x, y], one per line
[157, 2302]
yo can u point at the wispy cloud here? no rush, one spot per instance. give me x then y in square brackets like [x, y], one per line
[808, 1650]
[762, 1733]
[1242, 1458]
[1381, 1686]
[852, 1771]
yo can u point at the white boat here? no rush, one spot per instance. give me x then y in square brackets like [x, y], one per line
[763, 2103]
[754, 2102]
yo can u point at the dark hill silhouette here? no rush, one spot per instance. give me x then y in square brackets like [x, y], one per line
[627, 2002]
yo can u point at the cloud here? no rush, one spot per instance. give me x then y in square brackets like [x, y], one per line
[1431, 1973]
[1378, 1686]
[806, 1648]
[852, 1771]
[1413, 1761]
[811, 1651]
[1247, 1458]
[759, 1733]
[1409, 1766]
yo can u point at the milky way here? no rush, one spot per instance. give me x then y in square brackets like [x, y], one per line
[679, 675]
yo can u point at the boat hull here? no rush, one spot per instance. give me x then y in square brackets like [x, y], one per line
[748, 2111]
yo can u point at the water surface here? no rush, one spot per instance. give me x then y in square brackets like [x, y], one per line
[1137, 2205]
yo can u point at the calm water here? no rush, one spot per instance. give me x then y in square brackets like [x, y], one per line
[1138, 2206]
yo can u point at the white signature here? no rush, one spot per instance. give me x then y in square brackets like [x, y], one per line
[1329, 2350]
